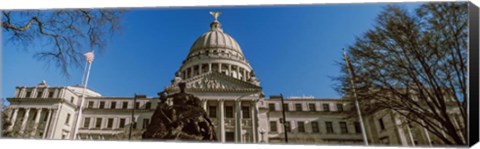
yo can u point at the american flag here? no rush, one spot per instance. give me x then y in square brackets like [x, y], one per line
[90, 56]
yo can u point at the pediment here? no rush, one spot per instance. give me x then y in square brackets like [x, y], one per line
[214, 81]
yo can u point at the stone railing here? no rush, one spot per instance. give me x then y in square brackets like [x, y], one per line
[229, 122]
[246, 122]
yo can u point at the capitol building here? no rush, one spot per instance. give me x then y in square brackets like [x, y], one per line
[216, 71]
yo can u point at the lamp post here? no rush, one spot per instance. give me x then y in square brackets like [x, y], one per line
[238, 123]
[262, 131]
[133, 113]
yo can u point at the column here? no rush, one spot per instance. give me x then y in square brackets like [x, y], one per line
[25, 119]
[253, 116]
[47, 123]
[220, 67]
[22, 93]
[37, 120]
[44, 91]
[200, 69]
[221, 109]
[209, 67]
[244, 75]
[238, 121]
[238, 73]
[54, 119]
[204, 104]
[229, 70]
[13, 119]
[34, 93]
[410, 135]
[61, 93]
[429, 141]
[399, 130]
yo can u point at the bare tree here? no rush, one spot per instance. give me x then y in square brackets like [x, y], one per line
[60, 37]
[414, 63]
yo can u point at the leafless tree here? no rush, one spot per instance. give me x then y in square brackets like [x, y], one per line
[60, 37]
[415, 63]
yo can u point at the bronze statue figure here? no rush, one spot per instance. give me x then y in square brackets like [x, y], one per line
[184, 120]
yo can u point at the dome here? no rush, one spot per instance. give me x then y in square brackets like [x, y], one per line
[216, 51]
[215, 39]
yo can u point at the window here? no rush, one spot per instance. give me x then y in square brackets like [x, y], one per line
[229, 136]
[312, 107]
[329, 127]
[68, 119]
[271, 107]
[71, 99]
[212, 111]
[86, 122]
[50, 94]
[245, 112]
[148, 105]
[110, 123]
[357, 127]
[298, 107]
[343, 127]
[380, 122]
[288, 126]
[340, 107]
[124, 105]
[229, 111]
[39, 94]
[385, 140]
[146, 122]
[137, 105]
[98, 123]
[315, 127]
[90, 104]
[113, 105]
[122, 123]
[326, 107]
[301, 126]
[28, 94]
[273, 126]
[285, 106]
[102, 105]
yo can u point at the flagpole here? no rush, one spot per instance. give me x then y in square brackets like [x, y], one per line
[84, 71]
[352, 78]
[284, 119]
[82, 100]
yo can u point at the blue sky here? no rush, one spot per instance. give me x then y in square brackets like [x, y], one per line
[292, 49]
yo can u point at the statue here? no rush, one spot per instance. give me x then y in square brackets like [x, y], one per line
[215, 15]
[184, 120]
